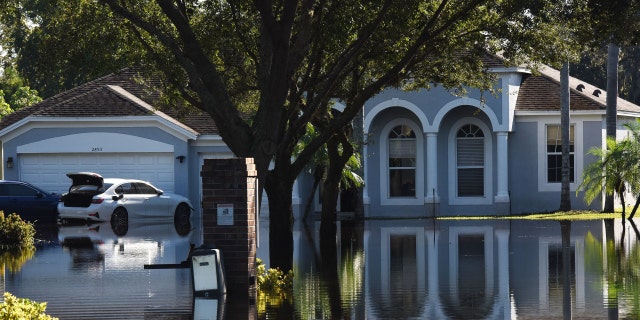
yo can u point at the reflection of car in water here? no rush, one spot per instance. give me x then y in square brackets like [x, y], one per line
[99, 233]
[97, 246]
[145, 241]
[93, 198]
[28, 201]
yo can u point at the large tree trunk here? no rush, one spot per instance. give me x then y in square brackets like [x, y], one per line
[635, 207]
[612, 99]
[331, 190]
[279, 192]
[358, 139]
[318, 173]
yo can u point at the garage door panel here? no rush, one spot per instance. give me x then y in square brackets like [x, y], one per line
[127, 160]
[168, 160]
[146, 160]
[84, 161]
[49, 170]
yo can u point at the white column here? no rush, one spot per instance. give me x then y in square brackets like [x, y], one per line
[432, 168]
[503, 167]
[365, 166]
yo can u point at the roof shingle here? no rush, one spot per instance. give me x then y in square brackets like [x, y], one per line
[102, 98]
[542, 93]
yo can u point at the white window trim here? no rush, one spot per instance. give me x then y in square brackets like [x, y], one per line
[385, 198]
[488, 167]
[578, 156]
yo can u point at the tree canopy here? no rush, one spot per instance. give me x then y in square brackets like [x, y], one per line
[57, 45]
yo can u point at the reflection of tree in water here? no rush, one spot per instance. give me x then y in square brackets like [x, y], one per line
[14, 259]
[620, 267]
[333, 288]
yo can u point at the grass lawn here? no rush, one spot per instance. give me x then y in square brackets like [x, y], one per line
[568, 215]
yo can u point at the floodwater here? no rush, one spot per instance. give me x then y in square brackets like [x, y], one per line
[391, 269]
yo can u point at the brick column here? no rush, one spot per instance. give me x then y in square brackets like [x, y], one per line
[231, 184]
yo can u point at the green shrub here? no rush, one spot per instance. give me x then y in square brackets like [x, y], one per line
[274, 286]
[14, 308]
[15, 232]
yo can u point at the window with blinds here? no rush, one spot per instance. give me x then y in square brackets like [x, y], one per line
[402, 162]
[554, 154]
[470, 161]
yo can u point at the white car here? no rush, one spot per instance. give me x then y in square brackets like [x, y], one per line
[94, 198]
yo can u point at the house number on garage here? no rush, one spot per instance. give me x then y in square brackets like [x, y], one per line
[96, 149]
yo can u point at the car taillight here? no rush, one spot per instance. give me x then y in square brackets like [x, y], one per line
[97, 200]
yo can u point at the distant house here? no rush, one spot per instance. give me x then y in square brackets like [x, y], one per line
[108, 126]
[428, 152]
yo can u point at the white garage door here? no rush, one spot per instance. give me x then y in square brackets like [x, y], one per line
[49, 170]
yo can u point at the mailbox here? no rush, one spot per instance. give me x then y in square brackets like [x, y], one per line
[207, 273]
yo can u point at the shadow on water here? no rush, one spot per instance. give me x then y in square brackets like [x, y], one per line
[373, 269]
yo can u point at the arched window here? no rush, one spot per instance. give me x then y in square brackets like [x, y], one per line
[470, 161]
[402, 149]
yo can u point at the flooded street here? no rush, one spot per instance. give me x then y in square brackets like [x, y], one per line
[400, 269]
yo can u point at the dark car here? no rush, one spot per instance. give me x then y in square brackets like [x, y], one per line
[28, 201]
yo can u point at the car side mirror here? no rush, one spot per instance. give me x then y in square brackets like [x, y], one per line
[39, 195]
[160, 192]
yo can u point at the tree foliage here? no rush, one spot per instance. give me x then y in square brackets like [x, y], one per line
[615, 170]
[57, 45]
[14, 92]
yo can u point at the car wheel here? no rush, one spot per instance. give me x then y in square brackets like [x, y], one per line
[120, 221]
[181, 219]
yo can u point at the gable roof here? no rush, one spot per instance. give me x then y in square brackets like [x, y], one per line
[119, 94]
[542, 93]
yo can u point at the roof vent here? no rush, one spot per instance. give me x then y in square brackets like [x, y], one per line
[580, 87]
[597, 92]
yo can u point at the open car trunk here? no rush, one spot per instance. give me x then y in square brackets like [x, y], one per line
[84, 186]
[78, 199]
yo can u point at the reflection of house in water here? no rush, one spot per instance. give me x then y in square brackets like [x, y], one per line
[476, 269]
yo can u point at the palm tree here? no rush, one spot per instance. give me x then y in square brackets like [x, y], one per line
[616, 169]
[632, 160]
[319, 164]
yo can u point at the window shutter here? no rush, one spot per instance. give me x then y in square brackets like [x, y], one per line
[470, 152]
[402, 148]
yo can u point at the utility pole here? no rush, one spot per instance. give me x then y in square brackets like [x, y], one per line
[565, 198]
[613, 54]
